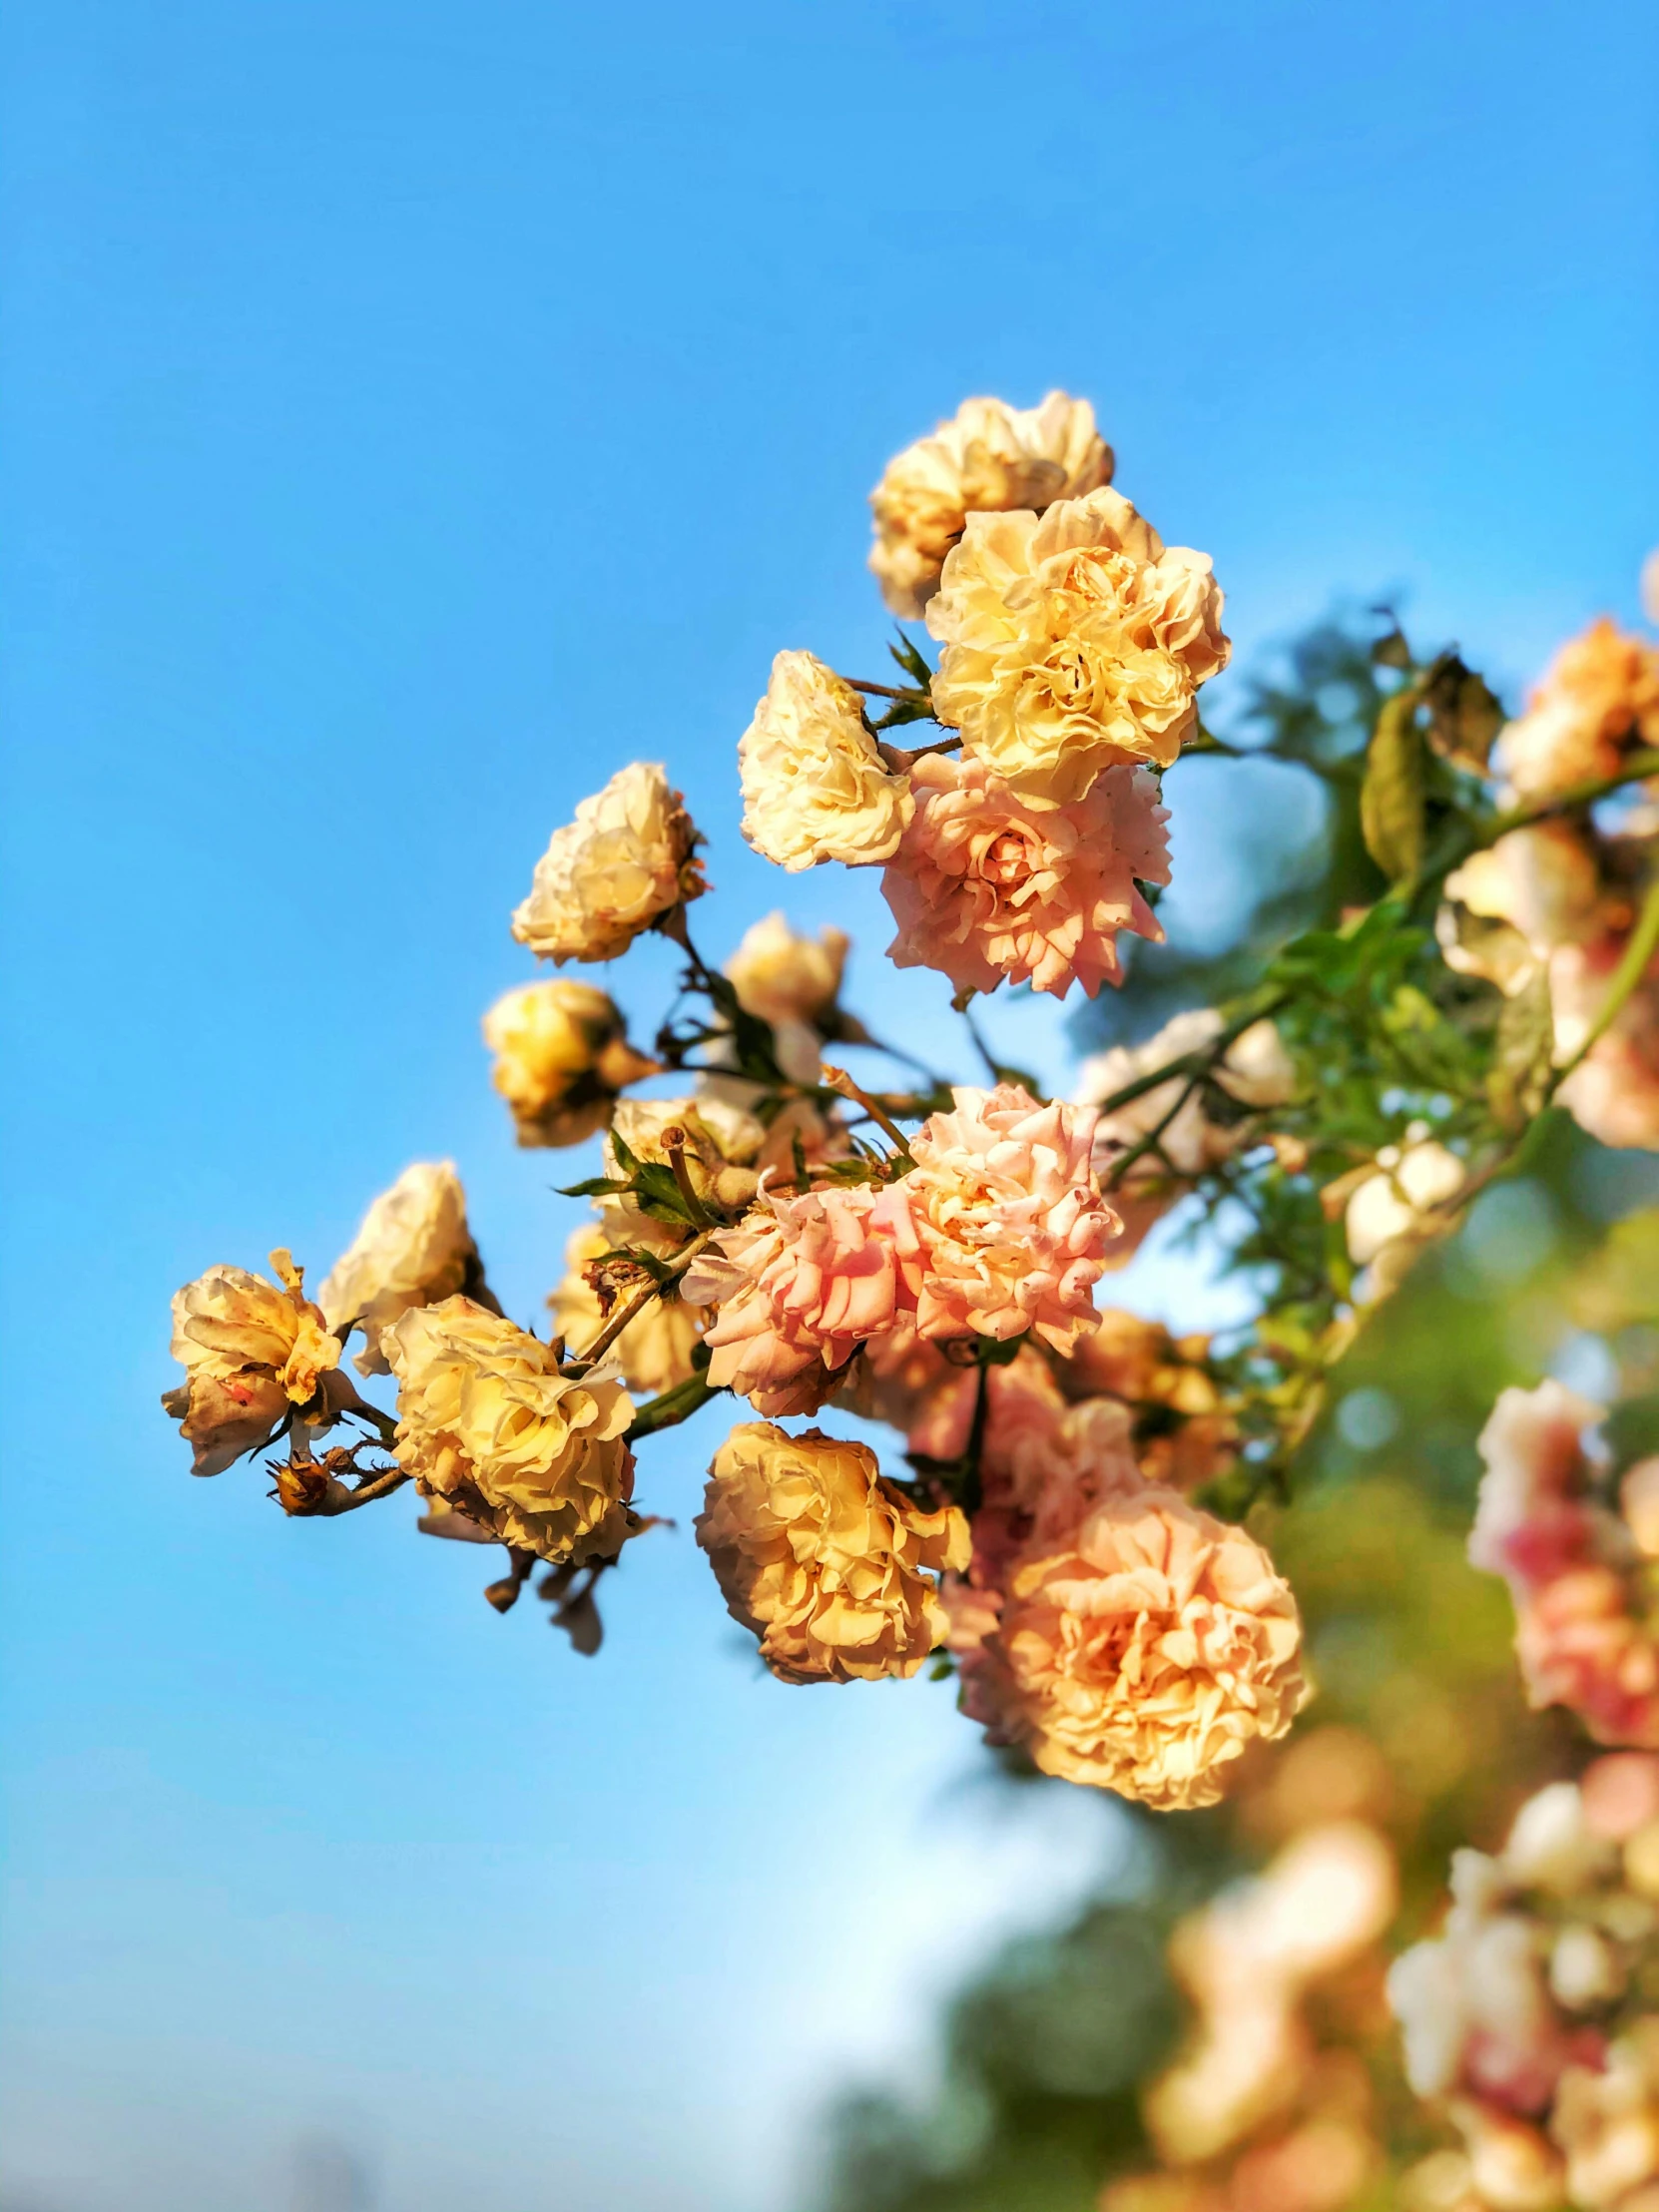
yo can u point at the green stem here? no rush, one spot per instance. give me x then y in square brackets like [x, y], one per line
[671, 1406]
[1633, 965]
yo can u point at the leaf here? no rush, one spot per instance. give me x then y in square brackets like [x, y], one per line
[909, 658]
[1464, 715]
[1391, 799]
[1633, 1430]
[1523, 1053]
[1391, 650]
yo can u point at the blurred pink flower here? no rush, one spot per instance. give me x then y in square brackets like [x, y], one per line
[984, 887]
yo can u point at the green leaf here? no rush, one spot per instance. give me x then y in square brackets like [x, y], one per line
[1633, 1430]
[911, 661]
[1391, 799]
[1523, 1053]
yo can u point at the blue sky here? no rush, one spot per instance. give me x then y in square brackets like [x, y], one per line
[409, 414]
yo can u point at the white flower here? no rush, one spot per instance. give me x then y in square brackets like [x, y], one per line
[624, 862]
[1393, 1202]
[815, 786]
[412, 1249]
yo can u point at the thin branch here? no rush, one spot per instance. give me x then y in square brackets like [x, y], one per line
[636, 1306]
[1633, 965]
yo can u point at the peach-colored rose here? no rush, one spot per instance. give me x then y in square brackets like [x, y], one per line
[1072, 642]
[799, 1284]
[989, 456]
[1579, 1645]
[619, 868]
[655, 1351]
[999, 1227]
[486, 1420]
[896, 1379]
[1613, 1094]
[1147, 1653]
[1599, 696]
[250, 1351]
[828, 1565]
[985, 888]
[815, 786]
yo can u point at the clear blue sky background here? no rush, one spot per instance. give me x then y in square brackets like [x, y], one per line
[409, 414]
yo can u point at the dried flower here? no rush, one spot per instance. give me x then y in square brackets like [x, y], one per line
[561, 1059]
[989, 457]
[655, 1351]
[1072, 642]
[1146, 1654]
[999, 1227]
[985, 887]
[486, 1422]
[815, 786]
[1599, 696]
[249, 1352]
[826, 1565]
[412, 1249]
[619, 868]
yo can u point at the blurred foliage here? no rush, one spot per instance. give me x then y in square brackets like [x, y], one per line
[1045, 2052]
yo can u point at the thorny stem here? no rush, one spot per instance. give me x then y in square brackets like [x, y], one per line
[1153, 1140]
[901, 759]
[885, 691]
[379, 1486]
[636, 1306]
[973, 1486]
[1638, 766]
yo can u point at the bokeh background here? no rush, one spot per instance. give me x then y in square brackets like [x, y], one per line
[408, 415]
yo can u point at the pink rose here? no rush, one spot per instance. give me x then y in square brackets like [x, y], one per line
[1000, 1226]
[799, 1284]
[984, 887]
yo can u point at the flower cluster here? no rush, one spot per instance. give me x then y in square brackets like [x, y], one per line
[1577, 1569]
[1529, 2014]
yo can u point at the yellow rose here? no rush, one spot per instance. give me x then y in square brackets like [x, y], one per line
[624, 862]
[250, 1351]
[561, 1059]
[815, 786]
[486, 1422]
[413, 1247]
[828, 1565]
[989, 457]
[1073, 641]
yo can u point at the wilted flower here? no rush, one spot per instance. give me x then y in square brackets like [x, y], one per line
[826, 1565]
[1599, 696]
[412, 1249]
[486, 1420]
[1072, 642]
[986, 888]
[249, 1352]
[719, 1145]
[999, 1227]
[561, 1059]
[814, 786]
[1147, 1653]
[655, 1351]
[620, 866]
[989, 457]
[797, 1284]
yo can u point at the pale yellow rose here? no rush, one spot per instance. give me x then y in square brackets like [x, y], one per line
[561, 1059]
[1401, 1199]
[1606, 2121]
[623, 864]
[815, 786]
[828, 1565]
[1146, 1654]
[250, 1351]
[486, 1422]
[1073, 641]
[989, 457]
[785, 979]
[412, 1249]
[655, 1351]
